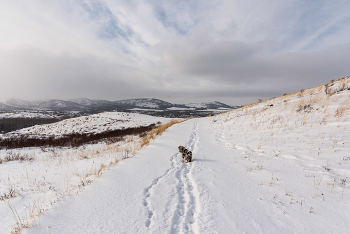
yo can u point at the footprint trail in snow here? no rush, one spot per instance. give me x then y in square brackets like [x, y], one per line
[181, 208]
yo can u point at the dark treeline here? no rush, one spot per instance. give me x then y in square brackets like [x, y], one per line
[13, 124]
[71, 140]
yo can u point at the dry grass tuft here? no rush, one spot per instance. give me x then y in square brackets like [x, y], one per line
[13, 156]
[145, 140]
[157, 131]
[343, 108]
[102, 167]
[12, 192]
[18, 220]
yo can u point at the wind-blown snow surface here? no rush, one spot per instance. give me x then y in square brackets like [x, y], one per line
[258, 169]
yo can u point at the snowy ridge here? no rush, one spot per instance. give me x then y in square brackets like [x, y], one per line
[5, 107]
[83, 101]
[18, 102]
[48, 104]
[106, 121]
[208, 105]
[145, 102]
[26, 115]
[338, 86]
[85, 104]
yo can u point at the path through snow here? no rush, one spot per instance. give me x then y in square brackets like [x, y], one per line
[156, 192]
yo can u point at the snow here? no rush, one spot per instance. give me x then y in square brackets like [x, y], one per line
[197, 105]
[203, 105]
[17, 102]
[179, 108]
[221, 109]
[279, 166]
[26, 115]
[232, 186]
[32, 186]
[144, 102]
[53, 175]
[143, 109]
[115, 205]
[106, 121]
[83, 101]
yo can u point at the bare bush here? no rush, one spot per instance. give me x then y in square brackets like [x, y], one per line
[305, 108]
[146, 138]
[9, 194]
[126, 152]
[11, 156]
[343, 108]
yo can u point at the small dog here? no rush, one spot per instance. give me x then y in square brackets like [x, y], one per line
[186, 154]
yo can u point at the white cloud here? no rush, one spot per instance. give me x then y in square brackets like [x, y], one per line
[232, 51]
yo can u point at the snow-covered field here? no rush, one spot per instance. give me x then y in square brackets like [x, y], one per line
[216, 110]
[96, 123]
[32, 179]
[180, 108]
[279, 166]
[26, 115]
[144, 109]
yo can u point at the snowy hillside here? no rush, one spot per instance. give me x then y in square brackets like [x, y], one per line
[3, 106]
[32, 179]
[209, 105]
[88, 103]
[26, 111]
[278, 166]
[49, 104]
[83, 101]
[145, 102]
[106, 121]
[18, 103]
[26, 115]
[80, 104]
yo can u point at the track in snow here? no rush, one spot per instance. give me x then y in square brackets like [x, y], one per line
[221, 140]
[184, 201]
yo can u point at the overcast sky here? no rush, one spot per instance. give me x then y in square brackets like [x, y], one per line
[181, 51]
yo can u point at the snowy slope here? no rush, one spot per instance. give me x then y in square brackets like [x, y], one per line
[279, 166]
[26, 115]
[106, 121]
[84, 104]
[18, 103]
[49, 104]
[32, 179]
[3, 106]
[94, 104]
[145, 103]
[83, 101]
[233, 186]
[208, 105]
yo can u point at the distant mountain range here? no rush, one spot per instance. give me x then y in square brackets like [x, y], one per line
[88, 105]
